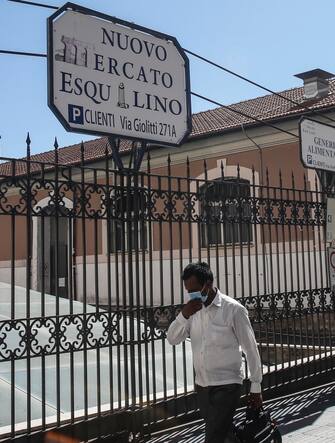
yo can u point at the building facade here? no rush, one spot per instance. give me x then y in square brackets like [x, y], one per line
[87, 232]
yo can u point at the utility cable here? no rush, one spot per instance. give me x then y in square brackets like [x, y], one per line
[206, 60]
[277, 94]
[193, 93]
[30, 54]
[41, 5]
[243, 114]
[263, 122]
[259, 151]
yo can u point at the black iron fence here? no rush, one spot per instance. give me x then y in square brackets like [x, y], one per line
[90, 264]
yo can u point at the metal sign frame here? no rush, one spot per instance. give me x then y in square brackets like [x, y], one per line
[77, 8]
[326, 177]
[300, 143]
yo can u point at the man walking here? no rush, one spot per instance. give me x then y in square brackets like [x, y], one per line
[219, 328]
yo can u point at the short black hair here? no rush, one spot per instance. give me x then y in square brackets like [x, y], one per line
[200, 270]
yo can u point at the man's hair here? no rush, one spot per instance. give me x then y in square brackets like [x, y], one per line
[200, 270]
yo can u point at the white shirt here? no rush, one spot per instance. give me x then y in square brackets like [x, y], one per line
[219, 333]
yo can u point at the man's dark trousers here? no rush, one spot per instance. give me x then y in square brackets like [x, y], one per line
[217, 406]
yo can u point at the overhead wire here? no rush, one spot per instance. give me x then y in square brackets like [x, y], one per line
[228, 108]
[206, 60]
[243, 114]
[258, 85]
[30, 54]
[41, 5]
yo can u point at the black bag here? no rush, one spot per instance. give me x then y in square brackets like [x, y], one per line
[258, 427]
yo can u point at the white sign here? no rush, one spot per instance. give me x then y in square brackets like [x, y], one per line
[317, 144]
[112, 77]
[330, 219]
[331, 265]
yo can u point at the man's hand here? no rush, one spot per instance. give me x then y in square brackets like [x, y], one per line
[191, 308]
[255, 400]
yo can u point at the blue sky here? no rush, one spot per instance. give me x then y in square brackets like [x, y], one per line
[265, 40]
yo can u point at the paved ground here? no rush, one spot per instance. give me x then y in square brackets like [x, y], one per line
[306, 417]
[309, 417]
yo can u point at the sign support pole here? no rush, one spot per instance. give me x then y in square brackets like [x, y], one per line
[115, 145]
[138, 149]
[139, 154]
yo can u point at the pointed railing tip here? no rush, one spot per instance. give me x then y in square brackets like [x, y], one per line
[205, 168]
[238, 171]
[280, 178]
[28, 142]
[169, 165]
[82, 151]
[188, 169]
[148, 161]
[56, 151]
[222, 170]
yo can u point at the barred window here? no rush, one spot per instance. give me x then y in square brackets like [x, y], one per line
[128, 226]
[226, 212]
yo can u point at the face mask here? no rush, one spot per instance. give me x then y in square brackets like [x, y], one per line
[198, 295]
[204, 297]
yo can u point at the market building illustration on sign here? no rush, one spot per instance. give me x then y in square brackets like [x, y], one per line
[111, 77]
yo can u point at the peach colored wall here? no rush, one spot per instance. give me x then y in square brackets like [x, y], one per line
[6, 236]
[284, 157]
[21, 229]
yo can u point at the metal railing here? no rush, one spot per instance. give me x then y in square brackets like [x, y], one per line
[90, 264]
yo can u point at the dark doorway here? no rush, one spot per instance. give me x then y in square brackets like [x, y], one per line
[56, 278]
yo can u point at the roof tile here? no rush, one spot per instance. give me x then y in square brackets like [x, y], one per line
[213, 121]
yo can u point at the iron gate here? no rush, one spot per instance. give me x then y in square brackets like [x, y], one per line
[87, 354]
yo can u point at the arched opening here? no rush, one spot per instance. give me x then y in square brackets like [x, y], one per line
[128, 229]
[52, 246]
[226, 212]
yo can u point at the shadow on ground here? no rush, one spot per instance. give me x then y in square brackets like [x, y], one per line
[291, 413]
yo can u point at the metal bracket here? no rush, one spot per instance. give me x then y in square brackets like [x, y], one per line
[138, 149]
